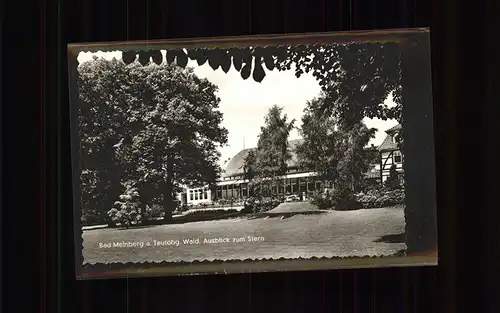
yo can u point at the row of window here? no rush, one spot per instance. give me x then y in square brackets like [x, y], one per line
[198, 194]
[290, 186]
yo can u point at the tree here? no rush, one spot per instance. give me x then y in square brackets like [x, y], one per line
[249, 172]
[321, 148]
[393, 181]
[128, 208]
[267, 165]
[336, 152]
[357, 158]
[102, 87]
[164, 126]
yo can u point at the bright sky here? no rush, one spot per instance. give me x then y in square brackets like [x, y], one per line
[244, 103]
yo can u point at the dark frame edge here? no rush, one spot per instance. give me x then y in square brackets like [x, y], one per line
[260, 40]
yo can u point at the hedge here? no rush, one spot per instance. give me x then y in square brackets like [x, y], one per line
[375, 198]
[379, 198]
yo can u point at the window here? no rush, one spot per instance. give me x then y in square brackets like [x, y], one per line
[302, 185]
[205, 194]
[318, 186]
[196, 195]
[398, 158]
[191, 196]
[274, 189]
[281, 189]
[310, 186]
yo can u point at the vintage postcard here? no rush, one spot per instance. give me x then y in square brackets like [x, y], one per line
[262, 153]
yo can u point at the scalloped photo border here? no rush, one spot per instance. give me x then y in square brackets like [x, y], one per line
[414, 46]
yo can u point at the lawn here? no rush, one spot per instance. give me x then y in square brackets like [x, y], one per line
[294, 207]
[332, 234]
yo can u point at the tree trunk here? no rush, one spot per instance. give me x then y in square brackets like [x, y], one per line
[168, 202]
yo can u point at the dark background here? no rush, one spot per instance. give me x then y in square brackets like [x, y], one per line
[37, 250]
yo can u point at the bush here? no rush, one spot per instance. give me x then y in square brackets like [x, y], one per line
[227, 202]
[210, 213]
[203, 215]
[340, 199]
[344, 199]
[393, 182]
[154, 211]
[382, 197]
[91, 218]
[151, 213]
[200, 206]
[127, 210]
[323, 201]
[256, 205]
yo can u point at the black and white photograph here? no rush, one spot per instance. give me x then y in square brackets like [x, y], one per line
[246, 153]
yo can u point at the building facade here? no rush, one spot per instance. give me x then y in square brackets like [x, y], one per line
[390, 154]
[233, 185]
[195, 196]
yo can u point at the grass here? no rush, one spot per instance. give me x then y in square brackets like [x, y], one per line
[332, 234]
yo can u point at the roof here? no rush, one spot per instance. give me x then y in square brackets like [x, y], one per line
[235, 165]
[394, 129]
[389, 144]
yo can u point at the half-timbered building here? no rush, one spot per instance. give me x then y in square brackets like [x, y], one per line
[390, 154]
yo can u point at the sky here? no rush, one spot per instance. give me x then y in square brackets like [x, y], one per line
[244, 103]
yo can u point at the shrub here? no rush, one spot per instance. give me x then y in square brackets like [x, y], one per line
[340, 199]
[229, 202]
[151, 213]
[155, 211]
[393, 182]
[127, 210]
[91, 217]
[382, 197]
[344, 199]
[256, 205]
[202, 215]
[323, 201]
[210, 213]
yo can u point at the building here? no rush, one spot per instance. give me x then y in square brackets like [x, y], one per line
[390, 154]
[195, 196]
[296, 181]
[232, 184]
